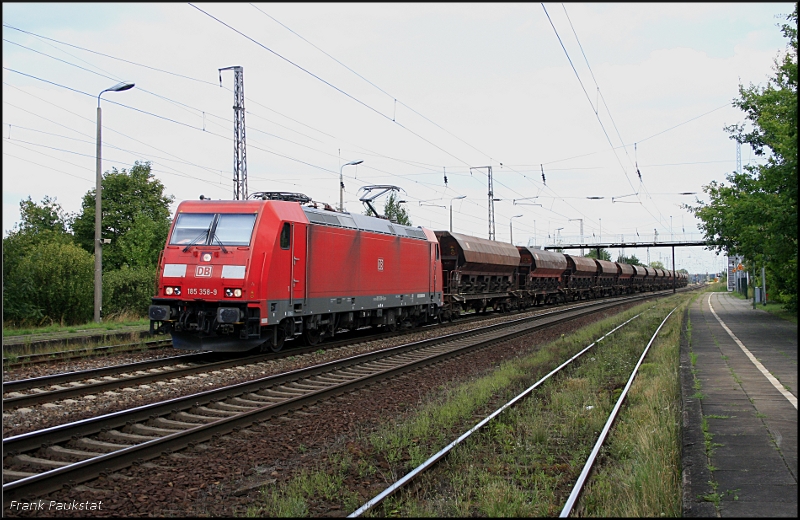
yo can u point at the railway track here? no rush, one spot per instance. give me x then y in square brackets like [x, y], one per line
[51, 388]
[43, 461]
[56, 387]
[427, 465]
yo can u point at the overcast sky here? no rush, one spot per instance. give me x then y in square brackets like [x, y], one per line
[587, 92]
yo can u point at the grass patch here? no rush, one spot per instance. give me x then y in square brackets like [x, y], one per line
[776, 309]
[525, 462]
[639, 475]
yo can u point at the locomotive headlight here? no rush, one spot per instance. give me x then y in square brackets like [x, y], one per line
[237, 293]
[168, 291]
[207, 257]
[233, 293]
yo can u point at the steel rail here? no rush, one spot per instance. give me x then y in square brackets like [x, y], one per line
[79, 375]
[51, 435]
[369, 505]
[578, 487]
[95, 465]
[431, 461]
[168, 373]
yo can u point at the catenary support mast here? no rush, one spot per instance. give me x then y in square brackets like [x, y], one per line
[239, 147]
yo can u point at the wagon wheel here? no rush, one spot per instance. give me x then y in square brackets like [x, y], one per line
[311, 337]
[391, 327]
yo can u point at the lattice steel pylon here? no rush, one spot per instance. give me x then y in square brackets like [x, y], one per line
[239, 146]
[738, 157]
[491, 206]
[491, 199]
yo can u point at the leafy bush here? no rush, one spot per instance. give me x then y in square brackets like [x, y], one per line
[52, 281]
[128, 290]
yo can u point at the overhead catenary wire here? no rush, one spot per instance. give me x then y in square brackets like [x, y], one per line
[416, 112]
[331, 85]
[248, 111]
[594, 109]
[422, 184]
[373, 109]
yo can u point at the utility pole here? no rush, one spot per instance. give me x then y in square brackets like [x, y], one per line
[239, 148]
[491, 200]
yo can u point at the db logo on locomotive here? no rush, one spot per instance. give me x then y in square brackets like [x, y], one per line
[203, 271]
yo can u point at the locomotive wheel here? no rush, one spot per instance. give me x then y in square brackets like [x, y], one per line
[281, 339]
[311, 337]
[268, 346]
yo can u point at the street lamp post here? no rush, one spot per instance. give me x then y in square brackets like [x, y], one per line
[451, 209]
[341, 183]
[98, 211]
[511, 227]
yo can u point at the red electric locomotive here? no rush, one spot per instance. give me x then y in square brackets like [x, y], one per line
[236, 275]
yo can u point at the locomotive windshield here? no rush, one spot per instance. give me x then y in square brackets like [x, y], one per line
[234, 229]
[225, 229]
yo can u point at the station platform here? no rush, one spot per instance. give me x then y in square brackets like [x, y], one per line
[739, 385]
[29, 343]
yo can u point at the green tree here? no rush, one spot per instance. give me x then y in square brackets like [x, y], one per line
[755, 214]
[395, 212]
[128, 290]
[630, 260]
[133, 202]
[143, 242]
[43, 223]
[604, 254]
[48, 216]
[656, 264]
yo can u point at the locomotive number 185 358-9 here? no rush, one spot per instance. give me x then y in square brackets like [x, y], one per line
[201, 292]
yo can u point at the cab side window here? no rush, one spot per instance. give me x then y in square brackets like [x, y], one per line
[437, 251]
[285, 235]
